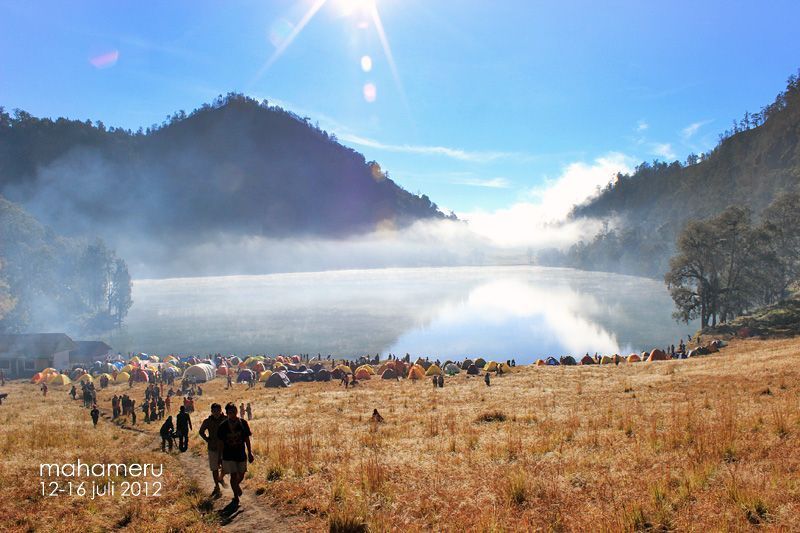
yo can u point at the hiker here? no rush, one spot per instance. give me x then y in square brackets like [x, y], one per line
[241, 410]
[167, 433]
[44, 389]
[234, 433]
[513, 363]
[208, 432]
[487, 379]
[114, 407]
[95, 412]
[183, 425]
[132, 405]
[73, 392]
[345, 380]
[441, 381]
[376, 417]
[161, 407]
[249, 411]
[435, 382]
[229, 384]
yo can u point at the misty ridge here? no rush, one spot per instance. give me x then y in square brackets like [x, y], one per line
[235, 187]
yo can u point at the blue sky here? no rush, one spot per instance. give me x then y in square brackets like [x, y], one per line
[484, 106]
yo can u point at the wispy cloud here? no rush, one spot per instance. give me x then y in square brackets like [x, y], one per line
[491, 183]
[663, 150]
[689, 131]
[642, 126]
[454, 153]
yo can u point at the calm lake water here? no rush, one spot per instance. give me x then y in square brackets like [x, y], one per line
[523, 312]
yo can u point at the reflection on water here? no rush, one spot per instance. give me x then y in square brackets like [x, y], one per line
[499, 312]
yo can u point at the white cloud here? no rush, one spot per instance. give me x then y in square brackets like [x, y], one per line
[541, 222]
[663, 150]
[689, 131]
[491, 183]
[642, 126]
[454, 153]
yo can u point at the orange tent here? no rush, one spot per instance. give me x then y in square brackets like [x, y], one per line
[416, 372]
[657, 355]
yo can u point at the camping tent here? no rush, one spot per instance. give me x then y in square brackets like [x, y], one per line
[200, 373]
[344, 368]
[361, 373]
[122, 377]
[322, 375]
[170, 371]
[300, 375]
[37, 377]
[472, 370]
[296, 359]
[367, 368]
[264, 376]
[277, 379]
[540, 362]
[480, 362]
[466, 363]
[503, 368]
[451, 369]
[587, 360]
[389, 373]
[606, 360]
[245, 375]
[568, 360]
[657, 355]
[551, 361]
[433, 370]
[85, 378]
[140, 375]
[634, 358]
[416, 372]
[58, 379]
[490, 366]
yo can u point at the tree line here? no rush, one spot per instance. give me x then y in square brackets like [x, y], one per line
[48, 281]
[728, 265]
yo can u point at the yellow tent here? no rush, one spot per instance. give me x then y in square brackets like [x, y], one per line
[49, 371]
[86, 378]
[134, 359]
[433, 370]
[170, 359]
[343, 368]
[606, 360]
[107, 376]
[126, 368]
[416, 372]
[504, 367]
[265, 375]
[634, 358]
[123, 377]
[58, 379]
[154, 359]
[367, 368]
[491, 366]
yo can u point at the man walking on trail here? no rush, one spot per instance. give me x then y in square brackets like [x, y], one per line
[234, 434]
[208, 432]
[183, 425]
[95, 412]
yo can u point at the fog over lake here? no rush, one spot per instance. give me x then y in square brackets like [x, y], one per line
[522, 312]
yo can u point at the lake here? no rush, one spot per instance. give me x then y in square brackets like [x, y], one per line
[522, 312]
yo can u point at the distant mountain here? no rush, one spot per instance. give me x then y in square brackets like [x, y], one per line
[753, 162]
[235, 167]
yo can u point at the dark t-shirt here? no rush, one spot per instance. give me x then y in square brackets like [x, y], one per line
[233, 435]
[182, 421]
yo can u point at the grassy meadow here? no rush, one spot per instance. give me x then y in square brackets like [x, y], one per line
[702, 444]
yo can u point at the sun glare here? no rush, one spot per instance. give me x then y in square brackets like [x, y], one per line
[355, 7]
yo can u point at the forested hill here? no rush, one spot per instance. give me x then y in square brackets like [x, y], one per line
[753, 162]
[235, 167]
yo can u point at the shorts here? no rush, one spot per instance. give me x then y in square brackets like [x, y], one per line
[213, 459]
[234, 467]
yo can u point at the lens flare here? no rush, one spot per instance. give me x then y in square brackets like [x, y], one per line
[366, 63]
[370, 92]
[107, 60]
[279, 32]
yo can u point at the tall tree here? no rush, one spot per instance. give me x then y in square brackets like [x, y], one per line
[119, 297]
[781, 222]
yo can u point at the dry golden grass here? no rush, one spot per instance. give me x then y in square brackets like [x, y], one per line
[702, 444]
[55, 429]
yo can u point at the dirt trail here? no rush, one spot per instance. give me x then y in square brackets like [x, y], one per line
[251, 515]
